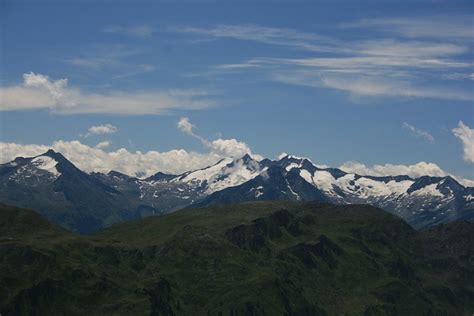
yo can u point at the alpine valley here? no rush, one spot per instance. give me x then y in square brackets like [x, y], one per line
[87, 202]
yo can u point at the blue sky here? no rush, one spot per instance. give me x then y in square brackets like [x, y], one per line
[376, 82]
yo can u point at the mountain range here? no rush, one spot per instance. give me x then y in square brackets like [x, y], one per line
[86, 202]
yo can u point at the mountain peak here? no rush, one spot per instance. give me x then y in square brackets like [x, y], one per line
[246, 157]
[295, 159]
[118, 174]
[62, 163]
[53, 154]
[161, 176]
[50, 152]
[289, 162]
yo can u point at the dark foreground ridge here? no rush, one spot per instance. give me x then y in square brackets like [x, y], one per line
[262, 258]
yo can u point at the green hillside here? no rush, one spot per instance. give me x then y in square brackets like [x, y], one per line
[263, 258]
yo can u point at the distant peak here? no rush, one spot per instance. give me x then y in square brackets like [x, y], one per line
[63, 161]
[50, 152]
[116, 173]
[245, 158]
[53, 154]
[293, 158]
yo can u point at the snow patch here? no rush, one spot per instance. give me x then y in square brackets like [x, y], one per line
[46, 163]
[429, 190]
[226, 173]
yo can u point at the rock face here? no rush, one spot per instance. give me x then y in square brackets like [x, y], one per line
[87, 202]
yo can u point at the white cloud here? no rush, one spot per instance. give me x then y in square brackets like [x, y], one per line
[186, 126]
[55, 88]
[231, 148]
[101, 129]
[97, 159]
[37, 91]
[418, 132]
[414, 171]
[135, 31]
[465, 182]
[22, 98]
[103, 144]
[466, 135]
[40, 92]
[9, 151]
[220, 147]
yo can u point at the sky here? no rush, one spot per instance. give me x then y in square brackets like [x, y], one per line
[374, 87]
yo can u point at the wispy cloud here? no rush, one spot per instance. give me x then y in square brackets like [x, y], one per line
[419, 133]
[185, 126]
[459, 76]
[117, 60]
[362, 62]
[142, 31]
[40, 92]
[268, 35]
[440, 26]
[396, 67]
[371, 85]
[99, 57]
[221, 147]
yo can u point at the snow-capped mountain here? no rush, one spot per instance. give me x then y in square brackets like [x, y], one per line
[273, 183]
[225, 173]
[87, 202]
[34, 171]
[168, 192]
[422, 202]
[64, 194]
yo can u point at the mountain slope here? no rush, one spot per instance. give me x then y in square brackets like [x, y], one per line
[275, 183]
[422, 202]
[63, 193]
[263, 258]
